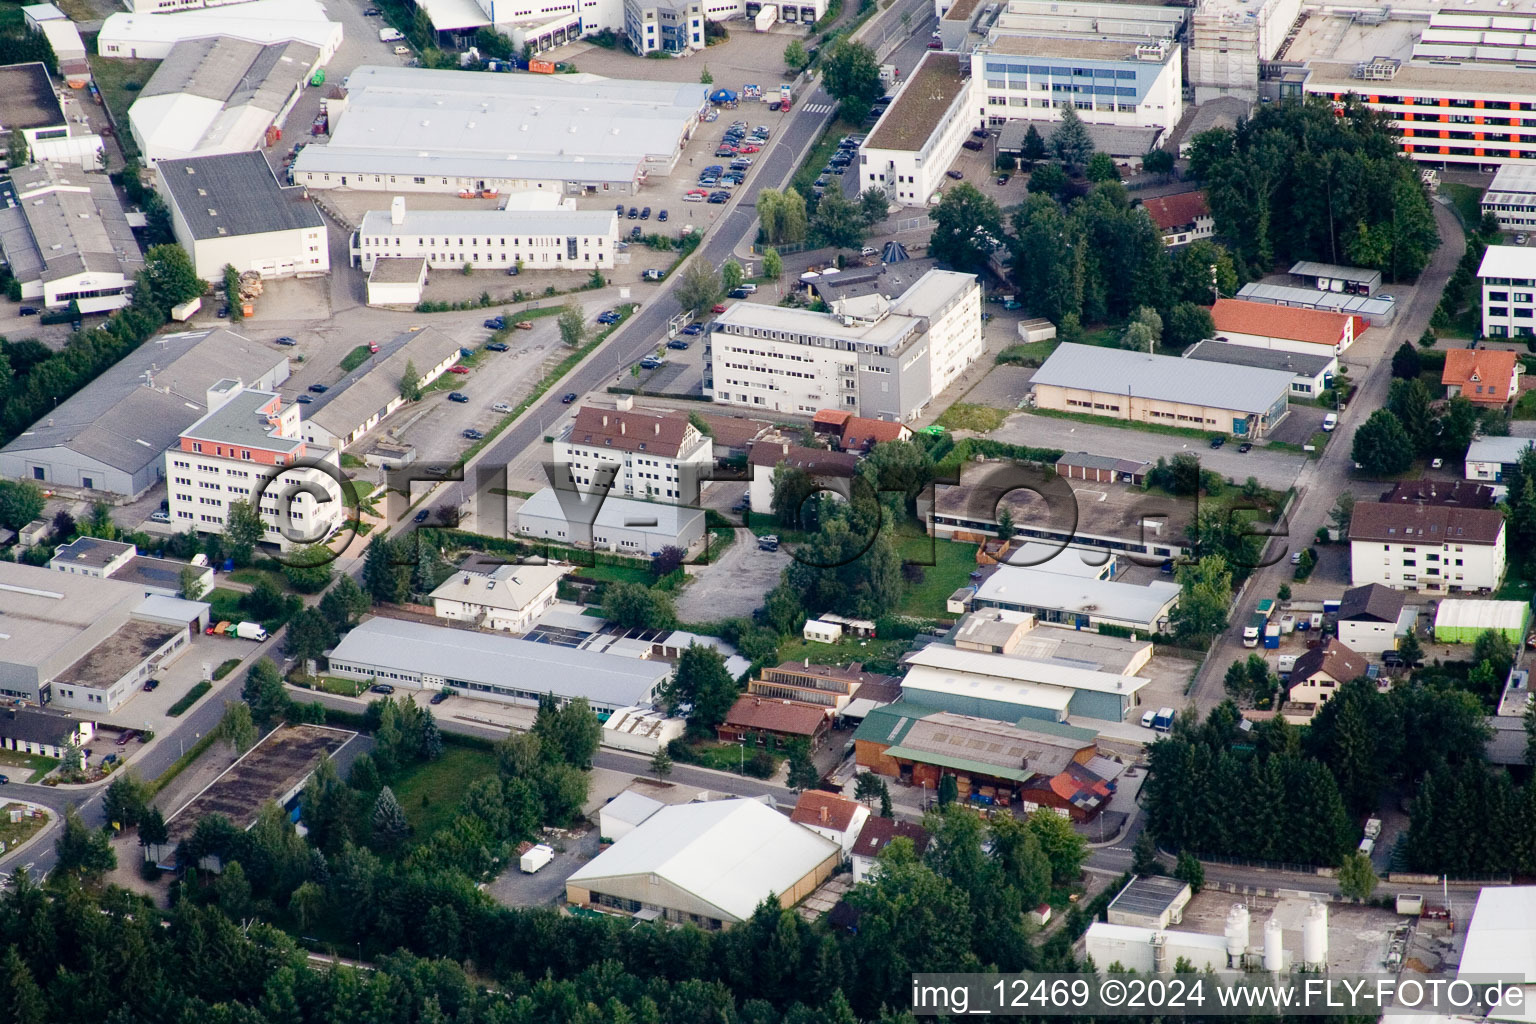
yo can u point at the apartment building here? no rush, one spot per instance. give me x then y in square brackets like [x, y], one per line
[1129, 82]
[558, 239]
[920, 134]
[1508, 279]
[825, 686]
[246, 439]
[635, 453]
[670, 26]
[1426, 547]
[871, 355]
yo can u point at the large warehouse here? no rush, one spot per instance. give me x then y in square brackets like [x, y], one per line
[1245, 401]
[404, 653]
[708, 864]
[1009, 688]
[422, 130]
[112, 434]
[146, 36]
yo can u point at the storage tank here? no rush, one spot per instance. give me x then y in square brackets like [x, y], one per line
[1274, 952]
[1314, 938]
[1237, 935]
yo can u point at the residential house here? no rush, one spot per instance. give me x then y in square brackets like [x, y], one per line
[1369, 618]
[1310, 331]
[834, 817]
[857, 433]
[827, 469]
[1429, 491]
[1483, 376]
[635, 453]
[758, 717]
[876, 835]
[1181, 218]
[510, 598]
[1322, 670]
[1426, 547]
[41, 732]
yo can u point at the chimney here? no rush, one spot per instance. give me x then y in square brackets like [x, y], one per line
[786, 447]
[397, 210]
[622, 425]
[823, 814]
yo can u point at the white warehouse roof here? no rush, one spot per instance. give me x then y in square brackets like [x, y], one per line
[1014, 585]
[1498, 449]
[1022, 670]
[1035, 695]
[521, 222]
[729, 853]
[614, 513]
[1460, 613]
[1501, 940]
[257, 21]
[1165, 378]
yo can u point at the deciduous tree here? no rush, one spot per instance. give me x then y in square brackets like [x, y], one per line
[850, 73]
[964, 224]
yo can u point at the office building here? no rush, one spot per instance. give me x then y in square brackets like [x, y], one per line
[1128, 82]
[668, 26]
[1490, 458]
[581, 240]
[919, 135]
[1507, 276]
[873, 356]
[1426, 547]
[67, 239]
[1511, 197]
[1075, 602]
[1230, 39]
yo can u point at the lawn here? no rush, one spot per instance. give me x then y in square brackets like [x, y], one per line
[1028, 354]
[875, 655]
[120, 81]
[1525, 406]
[727, 757]
[430, 793]
[250, 577]
[357, 357]
[616, 574]
[36, 765]
[226, 605]
[979, 419]
[1466, 200]
[953, 564]
[342, 687]
[14, 835]
[824, 150]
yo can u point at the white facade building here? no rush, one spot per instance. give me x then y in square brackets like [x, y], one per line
[229, 210]
[920, 134]
[449, 239]
[247, 439]
[55, 130]
[635, 454]
[671, 26]
[1508, 279]
[1511, 198]
[1489, 458]
[1108, 81]
[609, 523]
[149, 36]
[1426, 547]
[871, 356]
[67, 238]
[510, 598]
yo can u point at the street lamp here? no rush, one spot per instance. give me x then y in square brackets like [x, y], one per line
[1215, 292]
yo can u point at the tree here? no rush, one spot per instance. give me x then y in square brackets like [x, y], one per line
[782, 216]
[1101, 167]
[1410, 650]
[731, 275]
[803, 773]
[1062, 846]
[965, 223]
[1205, 597]
[949, 790]
[1144, 855]
[773, 264]
[1033, 150]
[705, 78]
[21, 501]
[382, 578]
[795, 57]
[1411, 402]
[126, 800]
[307, 904]
[16, 154]
[152, 830]
[661, 763]
[308, 570]
[82, 850]
[1188, 323]
[1496, 649]
[309, 635]
[573, 325]
[1343, 512]
[699, 288]
[874, 204]
[667, 561]
[569, 732]
[243, 530]
[1048, 179]
[839, 223]
[634, 606]
[1406, 362]
[1005, 524]
[1382, 447]
[1357, 878]
[344, 604]
[190, 582]
[1159, 162]
[237, 727]
[1144, 331]
[74, 758]
[1070, 142]
[390, 828]
[851, 75]
[410, 382]
[168, 279]
[1190, 870]
[263, 691]
[702, 683]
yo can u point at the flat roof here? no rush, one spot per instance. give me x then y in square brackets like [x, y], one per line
[1011, 585]
[1416, 76]
[1511, 177]
[1150, 894]
[1508, 261]
[526, 222]
[236, 194]
[43, 610]
[1065, 560]
[1334, 271]
[163, 573]
[1498, 449]
[239, 421]
[1114, 139]
[1002, 666]
[612, 513]
[1068, 47]
[464, 655]
[928, 94]
[923, 679]
[115, 656]
[368, 389]
[1368, 306]
[91, 552]
[28, 98]
[1101, 510]
[1299, 363]
[397, 270]
[1166, 378]
[1500, 939]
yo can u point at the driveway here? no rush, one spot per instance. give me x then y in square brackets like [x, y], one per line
[546, 886]
[733, 586]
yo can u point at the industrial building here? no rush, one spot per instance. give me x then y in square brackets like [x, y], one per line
[762, 719]
[1426, 547]
[919, 135]
[874, 356]
[509, 598]
[219, 95]
[707, 864]
[1507, 311]
[367, 395]
[1374, 310]
[395, 282]
[582, 240]
[1332, 277]
[67, 239]
[624, 813]
[609, 523]
[1150, 901]
[1461, 621]
[142, 35]
[489, 667]
[423, 130]
[670, 26]
[1511, 197]
[229, 210]
[1016, 634]
[104, 559]
[1077, 603]
[1145, 949]
[112, 434]
[1312, 373]
[1244, 401]
[1008, 689]
[630, 453]
[1130, 82]
[1309, 331]
[1489, 458]
[1498, 942]
[30, 104]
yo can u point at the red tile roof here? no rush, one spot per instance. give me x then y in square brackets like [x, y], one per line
[778, 716]
[656, 433]
[812, 460]
[877, 834]
[1474, 368]
[827, 810]
[863, 433]
[833, 417]
[1169, 212]
[1260, 318]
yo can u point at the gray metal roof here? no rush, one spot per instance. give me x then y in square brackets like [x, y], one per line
[120, 421]
[1151, 895]
[1116, 140]
[239, 421]
[471, 657]
[27, 98]
[75, 223]
[368, 389]
[230, 71]
[1299, 363]
[235, 194]
[614, 512]
[1373, 307]
[1307, 268]
[1167, 378]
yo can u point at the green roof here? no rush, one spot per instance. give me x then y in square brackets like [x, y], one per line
[962, 764]
[1060, 729]
[890, 724]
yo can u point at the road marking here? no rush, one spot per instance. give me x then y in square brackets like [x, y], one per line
[818, 108]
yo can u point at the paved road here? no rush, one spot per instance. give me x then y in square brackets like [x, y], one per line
[1323, 480]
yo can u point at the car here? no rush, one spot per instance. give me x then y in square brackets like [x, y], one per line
[568, 398]
[737, 293]
[457, 396]
[495, 323]
[1295, 557]
[725, 151]
[774, 106]
[495, 346]
[286, 341]
[1003, 179]
[717, 198]
[420, 517]
[1436, 463]
[608, 316]
[372, 12]
[1391, 658]
[1147, 718]
[619, 209]
[303, 400]
[523, 325]
[1330, 421]
[222, 314]
[869, 250]
[128, 734]
[744, 161]
[473, 434]
[159, 516]
[645, 214]
[650, 363]
[638, 232]
[319, 389]
[749, 148]
[935, 44]
[694, 197]
[32, 311]
[823, 181]
[662, 216]
[513, 270]
[955, 174]
[458, 369]
[652, 274]
[1217, 442]
[1166, 568]
[700, 192]
[1245, 448]
[692, 329]
[1519, 239]
[381, 688]
[717, 308]
[840, 169]
[5, 780]
[707, 181]
[373, 347]
[677, 343]
[634, 213]
[713, 115]
[502, 407]
[978, 133]
[438, 698]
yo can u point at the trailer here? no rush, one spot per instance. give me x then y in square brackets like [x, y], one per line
[765, 19]
[183, 311]
[534, 859]
[1163, 720]
[1272, 636]
[1266, 608]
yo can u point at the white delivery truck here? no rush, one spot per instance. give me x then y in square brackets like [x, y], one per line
[183, 311]
[536, 858]
[389, 35]
[250, 631]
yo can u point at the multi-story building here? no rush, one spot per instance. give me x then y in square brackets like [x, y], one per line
[825, 686]
[1107, 81]
[1181, 218]
[635, 453]
[493, 239]
[920, 133]
[54, 129]
[1508, 278]
[1228, 41]
[1426, 547]
[249, 447]
[670, 26]
[1511, 198]
[873, 356]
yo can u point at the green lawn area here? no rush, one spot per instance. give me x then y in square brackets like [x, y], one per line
[251, 576]
[980, 419]
[344, 687]
[1525, 406]
[727, 757]
[953, 564]
[226, 668]
[357, 357]
[26, 828]
[820, 153]
[616, 574]
[1466, 200]
[120, 81]
[226, 605]
[1028, 354]
[877, 655]
[430, 793]
[36, 765]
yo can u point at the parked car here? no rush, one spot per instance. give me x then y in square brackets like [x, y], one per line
[384, 688]
[568, 398]
[972, 145]
[495, 346]
[645, 214]
[159, 516]
[692, 329]
[978, 133]
[1217, 442]
[694, 197]
[717, 308]
[523, 325]
[420, 517]
[935, 44]
[513, 270]
[319, 389]
[1245, 448]
[372, 12]
[650, 363]
[737, 293]
[1519, 239]
[151, 685]
[662, 216]
[1003, 179]
[652, 274]
[718, 198]
[955, 174]
[619, 209]
[457, 396]
[634, 212]
[303, 400]
[458, 369]
[128, 734]
[1295, 557]
[502, 407]
[438, 698]
[677, 343]
[1147, 717]
[495, 323]
[5, 780]
[222, 314]
[32, 311]
[608, 316]
[473, 434]
[286, 341]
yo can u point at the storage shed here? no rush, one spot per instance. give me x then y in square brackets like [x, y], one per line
[823, 632]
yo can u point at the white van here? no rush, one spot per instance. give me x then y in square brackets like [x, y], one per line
[1330, 421]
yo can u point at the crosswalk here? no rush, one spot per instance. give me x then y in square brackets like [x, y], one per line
[818, 108]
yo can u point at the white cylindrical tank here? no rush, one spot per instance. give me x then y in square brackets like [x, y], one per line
[1237, 934]
[1314, 937]
[1274, 952]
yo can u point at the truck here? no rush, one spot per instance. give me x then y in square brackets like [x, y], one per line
[390, 35]
[535, 858]
[183, 311]
[1372, 828]
[1163, 720]
[1253, 630]
[250, 631]
[1272, 636]
[766, 17]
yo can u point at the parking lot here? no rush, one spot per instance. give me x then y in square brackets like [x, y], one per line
[732, 585]
[512, 888]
